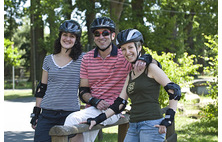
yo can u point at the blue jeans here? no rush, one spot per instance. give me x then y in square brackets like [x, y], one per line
[48, 119]
[144, 131]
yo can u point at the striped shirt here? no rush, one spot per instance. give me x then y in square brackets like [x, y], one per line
[107, 76]
[62, 86]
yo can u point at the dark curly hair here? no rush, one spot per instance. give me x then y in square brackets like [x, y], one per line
[76, 50]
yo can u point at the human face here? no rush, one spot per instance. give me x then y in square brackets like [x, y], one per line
[130, 52]
[67, 40]
[103, 40]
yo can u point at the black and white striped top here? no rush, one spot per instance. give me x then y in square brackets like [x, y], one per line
[62, 86]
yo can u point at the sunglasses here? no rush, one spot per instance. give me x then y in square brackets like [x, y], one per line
[104, 33]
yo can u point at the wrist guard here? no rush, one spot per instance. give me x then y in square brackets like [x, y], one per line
[177, 91]
[169, 118]
[40, 90]
[117, 103]
[35, 115]
[146, 58]
[94, 101]
[100, 118]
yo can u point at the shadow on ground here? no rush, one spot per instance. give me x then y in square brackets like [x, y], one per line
[18, 136]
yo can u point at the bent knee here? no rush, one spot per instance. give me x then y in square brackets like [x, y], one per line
[71, 120]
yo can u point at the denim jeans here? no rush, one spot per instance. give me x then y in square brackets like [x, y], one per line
[48, 119]
[144, 131]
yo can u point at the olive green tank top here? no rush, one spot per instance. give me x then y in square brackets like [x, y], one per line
[144, 93]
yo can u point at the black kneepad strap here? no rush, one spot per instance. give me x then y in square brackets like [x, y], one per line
[83, 90]
[40, 90]
[117, 103]
[177, 91]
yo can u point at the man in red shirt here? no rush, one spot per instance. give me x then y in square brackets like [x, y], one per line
[103, 73]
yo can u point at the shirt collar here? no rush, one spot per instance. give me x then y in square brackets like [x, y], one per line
[113, 52]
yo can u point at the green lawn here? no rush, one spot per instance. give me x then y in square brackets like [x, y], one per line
[187, 129]
[10, 94]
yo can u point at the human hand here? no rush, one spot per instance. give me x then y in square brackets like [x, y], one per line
[162, 128]
[102, 105]
[91, 123]
[139, 65]
[34, 125]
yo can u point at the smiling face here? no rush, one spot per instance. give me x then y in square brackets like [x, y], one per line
[67, 40]
[103, 37]
[130, 52]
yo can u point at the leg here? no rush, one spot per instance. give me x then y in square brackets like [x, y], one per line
[132, 134]
[47, 119]
[80, 116]
[149, 133]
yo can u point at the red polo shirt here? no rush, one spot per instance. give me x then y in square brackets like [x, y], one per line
[106, 76]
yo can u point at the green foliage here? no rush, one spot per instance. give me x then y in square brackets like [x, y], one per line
[11, 55]
[211, 110]
[179, 73]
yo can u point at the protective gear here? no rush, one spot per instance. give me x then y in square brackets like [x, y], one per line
[83, 90]
[94, 101]
[100, 118]
[129, 35]
[158, 64]
[71, 26]
[40, 90]
[175, 88]
[35, 115]
[169, 118]
[117, 103]
[102, 22]
[147, 58]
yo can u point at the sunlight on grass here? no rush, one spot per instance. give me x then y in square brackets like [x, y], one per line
[14, 94]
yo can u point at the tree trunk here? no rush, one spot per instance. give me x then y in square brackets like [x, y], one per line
[116, 8]
[37, 36]
[137, 12]
[90, 16]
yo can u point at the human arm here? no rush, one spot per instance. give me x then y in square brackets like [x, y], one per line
[86, 97]
[144, 61]
[173, 90]
[118, 106]
[40, 92]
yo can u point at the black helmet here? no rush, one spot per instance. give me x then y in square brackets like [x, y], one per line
[129, 35]
[71, 26]
[102, 22]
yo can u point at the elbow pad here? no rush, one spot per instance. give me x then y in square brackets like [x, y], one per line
[177, 91]
[40, 90]
[83, 90]
[117, 103]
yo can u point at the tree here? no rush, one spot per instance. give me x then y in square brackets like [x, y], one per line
[11, 56]
[37, 35]
[13, 11]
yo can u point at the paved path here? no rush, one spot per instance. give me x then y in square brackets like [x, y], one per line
[17, 127]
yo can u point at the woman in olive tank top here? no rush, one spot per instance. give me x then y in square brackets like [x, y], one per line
[142, 87]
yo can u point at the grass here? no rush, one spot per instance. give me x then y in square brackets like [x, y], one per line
[14, 94]
[187, 129]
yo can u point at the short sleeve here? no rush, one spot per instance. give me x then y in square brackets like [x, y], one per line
[45, 64]
[83, 68]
